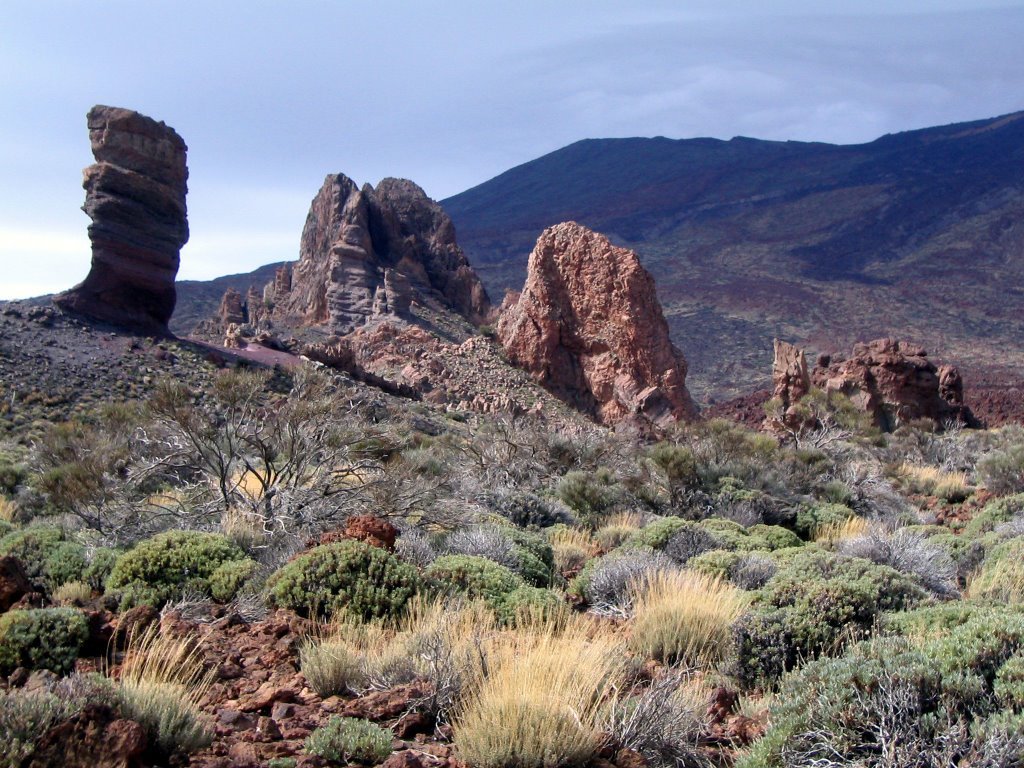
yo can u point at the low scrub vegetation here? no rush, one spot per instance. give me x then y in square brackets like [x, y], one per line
[529, 595]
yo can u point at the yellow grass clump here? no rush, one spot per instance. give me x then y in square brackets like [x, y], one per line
[831, 533]
[932, 481]
[572, 547]
[72, 593]
[162, 681]
[684, 617]
[539, 704]
[243, 528]
[8, 509]
[617, 529]
[1001, 581]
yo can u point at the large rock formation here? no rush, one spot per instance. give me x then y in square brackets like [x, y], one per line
[895, 382]
[371, 251]
[589, 328]
[135, 196]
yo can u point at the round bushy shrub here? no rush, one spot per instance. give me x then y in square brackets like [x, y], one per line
[229, 578]
[528, 554]
[774, 537]
[657, 533]
[590, 495]
[157, 569]
[472, 576]
[889, 703]
[530, 604]
[41, 638]
[346, 740]
[49, 555]
[813, 604]
[101, 563]
[812, 518]
[352, 577]
[535, 556]
[717, 563]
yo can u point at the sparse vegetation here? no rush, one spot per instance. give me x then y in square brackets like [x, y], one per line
[350, 740]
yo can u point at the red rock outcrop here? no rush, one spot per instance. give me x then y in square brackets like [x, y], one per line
[589, 328]
[232, 308]
[895, 382]
[791, 380]
[373, 251]
[135, 196]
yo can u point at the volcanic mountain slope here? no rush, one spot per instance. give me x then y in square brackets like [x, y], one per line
[919, 235]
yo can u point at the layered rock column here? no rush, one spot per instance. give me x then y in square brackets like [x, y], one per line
[135, 196]
[588, 327]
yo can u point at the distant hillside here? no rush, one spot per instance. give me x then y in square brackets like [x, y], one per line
[917, 234]
[199, 299]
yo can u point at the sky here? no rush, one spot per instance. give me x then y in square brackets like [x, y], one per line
[272, 96]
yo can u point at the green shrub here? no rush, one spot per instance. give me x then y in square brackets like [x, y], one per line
[887, 703]
[474, 577]
[41, 638]
[591, 495]
[810, 519]
[535, 555]
[229, 578]
[5, 528]
[101, 563]
[1003, 471]
[657, 533]
[530, 603]
[348, 577]
[716, 563]
[350, 740]
[24, 718]
[813, 605]
[931, 621]
[157, 569]
[995, 512]
[1002, 574]
[774, 537]
[50, 556]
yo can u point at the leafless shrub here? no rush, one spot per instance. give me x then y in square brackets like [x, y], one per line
[753, 571]
[664, 722]
[690, 542]
[612, 585]
[483, 541]
[908, 552]
[415, 548]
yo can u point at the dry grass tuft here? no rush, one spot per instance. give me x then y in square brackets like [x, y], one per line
[683, 617]
[1002, 582]
[617, 529]
[539, 703]
[162, 681]
[572, 547]
[72, 593]
[832, 533]
[243, 528]
[8, 509]
[932, 481]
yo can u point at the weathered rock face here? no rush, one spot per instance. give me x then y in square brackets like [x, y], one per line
[895, 382]
[135, 196]
[232, 308]
[366, 252]
[791, 380]
[589, 328]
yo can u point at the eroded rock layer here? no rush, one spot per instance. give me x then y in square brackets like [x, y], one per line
[135, 196]
[588, 326]
[372, 251]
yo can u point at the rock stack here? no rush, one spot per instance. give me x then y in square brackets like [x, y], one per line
[373, 251]
[135, 196]
[589, 328]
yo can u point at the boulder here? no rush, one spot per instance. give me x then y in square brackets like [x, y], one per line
[135, 196]
[589, 328]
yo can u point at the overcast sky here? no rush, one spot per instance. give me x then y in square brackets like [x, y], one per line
[271, 97]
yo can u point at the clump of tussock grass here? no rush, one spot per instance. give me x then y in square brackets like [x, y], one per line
[683, 617]
[162, 680]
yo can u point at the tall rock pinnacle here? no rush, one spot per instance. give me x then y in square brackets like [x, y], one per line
[135, 196]
[589, 328]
